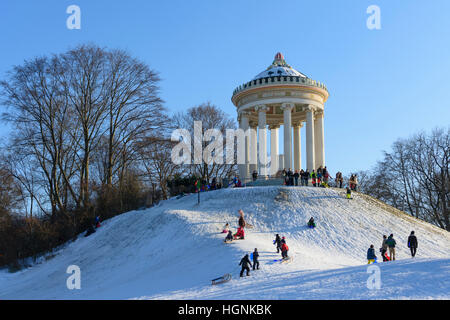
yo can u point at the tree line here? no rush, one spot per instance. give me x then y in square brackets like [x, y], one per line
[89, 136]
[414, 177]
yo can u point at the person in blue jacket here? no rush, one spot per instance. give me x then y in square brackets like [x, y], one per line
[371, 257]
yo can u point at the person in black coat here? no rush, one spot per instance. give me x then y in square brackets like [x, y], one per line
[307, 176]
[255, 259]
[290, 175]
[277, 241]
[412, 243]
[296, 175]
[245, 262]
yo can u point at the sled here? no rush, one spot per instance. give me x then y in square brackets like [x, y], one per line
[287, 260]
[225, 278]
[283, 260]
[228, 241]
[238, 239]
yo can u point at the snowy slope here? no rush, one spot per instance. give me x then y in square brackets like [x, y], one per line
[173, 250]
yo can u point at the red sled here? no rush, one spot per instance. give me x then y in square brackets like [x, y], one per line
[387, 257]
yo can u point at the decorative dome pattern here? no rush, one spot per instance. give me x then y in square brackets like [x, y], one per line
[279, 67]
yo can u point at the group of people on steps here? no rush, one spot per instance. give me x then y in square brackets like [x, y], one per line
[389, 244]
[319, 177]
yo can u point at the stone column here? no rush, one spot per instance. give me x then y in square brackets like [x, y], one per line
[287, 108]
[274, 150]
[319, 147]
[253, 147]
[297, 146]
[310, 163]
[243, 168]
[262, 123]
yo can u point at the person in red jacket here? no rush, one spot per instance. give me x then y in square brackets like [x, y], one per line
[239, 234]
[284, 250]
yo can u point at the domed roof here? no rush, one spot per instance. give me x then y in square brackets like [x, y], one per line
[279, 67]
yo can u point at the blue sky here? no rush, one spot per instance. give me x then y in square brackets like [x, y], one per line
[384, 84]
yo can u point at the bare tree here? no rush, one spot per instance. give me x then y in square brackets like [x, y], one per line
[157, 163]
[415, 178]
[211, 117]
[70, 108]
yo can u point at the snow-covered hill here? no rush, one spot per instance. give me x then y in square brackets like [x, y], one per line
[173, 251]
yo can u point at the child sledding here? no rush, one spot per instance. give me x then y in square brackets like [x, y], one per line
[349, 193]
[371, 257]
[226, 228]
[229, 237]
[311, 223]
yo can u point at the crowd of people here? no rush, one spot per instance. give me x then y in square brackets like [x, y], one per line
[388, 246]
[319, 178]
[246, 262]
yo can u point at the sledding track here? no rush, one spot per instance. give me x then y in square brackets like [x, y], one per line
[175, 249]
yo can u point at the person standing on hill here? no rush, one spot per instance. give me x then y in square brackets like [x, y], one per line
[255, 259]
[277, 242]
[245, 263]
[355, 182]
[326, 177]
[255, 175]
[313, 178]
[307, 175]
[296, 175]
[384, 248]
[319, 175]
[290, 175]
[350, 181]
[284, 249]
[302, 177]
[412, 244]
[391, 245]
[339, 179]
[241, 219]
